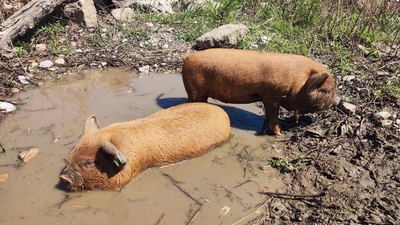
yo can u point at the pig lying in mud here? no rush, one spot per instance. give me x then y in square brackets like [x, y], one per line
[244, 76]
[107, 158]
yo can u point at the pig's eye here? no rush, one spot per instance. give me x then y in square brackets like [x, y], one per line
[325, 91]
[87, 163]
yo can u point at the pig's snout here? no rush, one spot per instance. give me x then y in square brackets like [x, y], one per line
[67, 180]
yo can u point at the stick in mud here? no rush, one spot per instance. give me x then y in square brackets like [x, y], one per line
[159, 220]
[292, 196]
[66, 199]
[174, 182]
[195, 215]
[262, 204]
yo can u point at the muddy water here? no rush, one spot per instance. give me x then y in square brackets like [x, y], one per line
[52, 120]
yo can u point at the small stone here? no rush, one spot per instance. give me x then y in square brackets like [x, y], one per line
[46, 64]
[346, 107]
[34, 64]
[60, 61]
[24, 79]
[40, 83]
[144, 70]
[103, 64]
[348, 78]
[14, 90]
[383, 73]
[224, 210]
[384, 115]
[285, 218]
[123, 14]
[3, 176]
[385, 123]
[25, 156]
[41, 47]
[79, 50]
[7, 107]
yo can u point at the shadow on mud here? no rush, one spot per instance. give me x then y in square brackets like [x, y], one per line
[241, 118]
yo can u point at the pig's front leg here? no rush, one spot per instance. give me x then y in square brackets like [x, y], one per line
[271, 113]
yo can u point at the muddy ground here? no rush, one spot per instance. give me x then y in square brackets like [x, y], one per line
[346, 167]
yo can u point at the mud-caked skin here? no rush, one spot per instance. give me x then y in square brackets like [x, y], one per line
[244, 76]
[107, 158]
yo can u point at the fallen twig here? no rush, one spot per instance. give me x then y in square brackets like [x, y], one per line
[247, 181]
[174, 182]
[258, 208]
[293, 196]
[66, 199]
[195, 215]
[159, 220]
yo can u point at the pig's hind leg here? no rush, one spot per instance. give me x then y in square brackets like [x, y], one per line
[200, 96]
[197, 97]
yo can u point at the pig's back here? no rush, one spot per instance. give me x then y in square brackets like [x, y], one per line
[174, 134]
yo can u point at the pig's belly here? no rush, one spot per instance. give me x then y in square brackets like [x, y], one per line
[234, 97]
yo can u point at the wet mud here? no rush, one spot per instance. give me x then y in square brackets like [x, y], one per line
[221, 187]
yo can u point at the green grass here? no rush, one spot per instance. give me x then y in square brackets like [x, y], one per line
[313, 28]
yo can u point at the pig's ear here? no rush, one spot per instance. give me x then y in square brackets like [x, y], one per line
[315, 81]
[91, 124]
[118, 156]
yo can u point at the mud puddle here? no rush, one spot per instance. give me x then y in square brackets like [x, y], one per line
[226, 181]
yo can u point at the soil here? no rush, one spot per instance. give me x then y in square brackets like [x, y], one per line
[347, 169]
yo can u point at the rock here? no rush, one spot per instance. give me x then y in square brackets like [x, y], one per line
[386, 123]
[190, 5]
[25, 156]
[384, 115]
[157, 6]
[82, 12]
[60, 61]
[24, 79]
[123, 3]
[46, 64]
[347, 108]
[144, 70]
[224, 210]
[14, 90]
[7, 107]
[40, 47]
[383, 73]
[224, 36]
[34, 64]
[3, 176]
[123, 14]
[348, 78]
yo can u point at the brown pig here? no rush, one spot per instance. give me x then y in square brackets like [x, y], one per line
[244, 76]
[107, 158]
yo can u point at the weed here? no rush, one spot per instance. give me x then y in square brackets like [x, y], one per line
[21, 48]
[286, 163]
[20, 164]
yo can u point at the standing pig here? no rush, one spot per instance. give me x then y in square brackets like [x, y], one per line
[107, 158]
[244, 76]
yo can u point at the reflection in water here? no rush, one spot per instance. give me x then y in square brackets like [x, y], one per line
[52, 120]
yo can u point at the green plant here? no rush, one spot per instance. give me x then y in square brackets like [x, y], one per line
[286, 163]
[20, 164]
